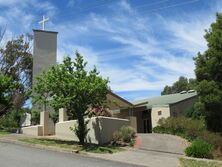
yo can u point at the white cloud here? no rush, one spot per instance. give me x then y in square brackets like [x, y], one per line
[138, 41]
[188, 35]
[7, 3]
[142, 52]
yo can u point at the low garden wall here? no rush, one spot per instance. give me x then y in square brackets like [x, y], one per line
[33, 130]
[45, 128]
[101, 129]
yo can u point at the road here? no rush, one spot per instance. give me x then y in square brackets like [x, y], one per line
[22, 156]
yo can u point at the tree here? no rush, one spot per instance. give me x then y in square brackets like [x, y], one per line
[183, 84]
[69, 85]
[16, 63]
[209, 76]
[7, 87]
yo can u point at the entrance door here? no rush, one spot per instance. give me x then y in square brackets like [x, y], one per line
[147, 126]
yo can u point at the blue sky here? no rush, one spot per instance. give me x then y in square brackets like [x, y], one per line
[141, 45]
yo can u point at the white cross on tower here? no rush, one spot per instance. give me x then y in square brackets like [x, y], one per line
[42, 22]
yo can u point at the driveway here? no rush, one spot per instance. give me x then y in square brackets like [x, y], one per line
[21, 156]
[153, 150]
[162, 143]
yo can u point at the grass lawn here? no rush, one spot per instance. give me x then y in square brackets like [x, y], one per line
[72, 145]
[195, 163]
[2, 133]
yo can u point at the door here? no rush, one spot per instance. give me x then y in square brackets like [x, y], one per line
[147, 126]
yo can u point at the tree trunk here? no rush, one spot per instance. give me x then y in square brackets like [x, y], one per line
[18, 119]
[82, 129]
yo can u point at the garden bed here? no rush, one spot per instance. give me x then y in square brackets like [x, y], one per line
[198, 163]
[72, 146]
[191, 129]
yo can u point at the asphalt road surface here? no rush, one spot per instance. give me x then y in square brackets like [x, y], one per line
[12, 155]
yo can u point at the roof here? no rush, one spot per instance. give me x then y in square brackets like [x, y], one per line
[46, 31]
[115, 102]
[166, 99]
[120, 98]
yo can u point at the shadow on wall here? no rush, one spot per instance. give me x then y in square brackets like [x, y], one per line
[97, 129]
[101, 129]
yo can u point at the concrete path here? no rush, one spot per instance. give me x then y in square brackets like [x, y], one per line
[21, 156]
[162, 143]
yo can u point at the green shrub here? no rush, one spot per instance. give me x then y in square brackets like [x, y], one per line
[124, 136]
[199, 149]
[159, 129]
[212, 138]
[8, 121]
[181, 126]
[188, 128]
[35, 119]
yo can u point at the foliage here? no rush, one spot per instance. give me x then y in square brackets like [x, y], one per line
[35, 117]
[212, 138]
[7, 87]
[209, 76]
[8, 121]
[199, 163]
[72, 145]
[199, 149]
[182, 126]
[183, 84]
[100, 111]
[16, 63]
[54, 115]
[12, 120]
[101, 149]
[194, 111]
[188, 128]
[124, 136]
[69, 85]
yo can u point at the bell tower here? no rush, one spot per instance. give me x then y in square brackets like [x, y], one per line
[44, 51]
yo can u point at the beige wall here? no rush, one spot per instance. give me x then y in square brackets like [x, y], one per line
[165, 113]
[47, 123]
[45, 128]
[133, 122]
[101, 129]
[33, 130]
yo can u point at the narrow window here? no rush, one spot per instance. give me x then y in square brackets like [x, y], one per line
[159, 112]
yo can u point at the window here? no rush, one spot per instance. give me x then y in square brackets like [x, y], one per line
[159, 112]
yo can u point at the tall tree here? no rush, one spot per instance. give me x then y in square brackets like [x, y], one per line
[16, 63]
[183, 84]
[69, 85]
[7, 87]
[209, 76]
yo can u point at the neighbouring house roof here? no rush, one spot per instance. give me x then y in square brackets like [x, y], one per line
[116, 102]
[165, 99]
